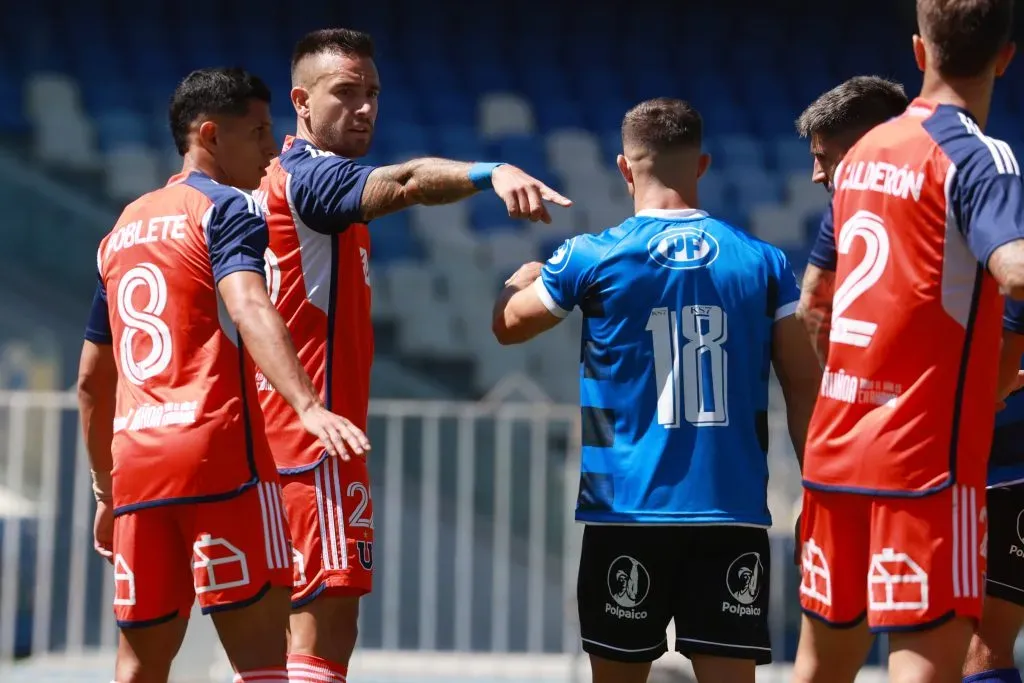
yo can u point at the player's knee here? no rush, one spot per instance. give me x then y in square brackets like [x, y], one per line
[131, 670]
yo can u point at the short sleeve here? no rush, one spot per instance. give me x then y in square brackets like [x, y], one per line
[97, 329]
[327, 190]
[784, 294]
[991, 212]
[1013, 316]
[564, 279]
[236, 235]
[823, 251]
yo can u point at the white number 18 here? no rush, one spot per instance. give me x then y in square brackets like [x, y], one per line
[700, 367]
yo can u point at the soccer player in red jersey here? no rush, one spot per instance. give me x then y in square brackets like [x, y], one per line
[929, 224]
[319, 202]
[188, 497]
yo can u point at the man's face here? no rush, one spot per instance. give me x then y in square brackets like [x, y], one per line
[342, 102]
[245, 145]
[827, 153]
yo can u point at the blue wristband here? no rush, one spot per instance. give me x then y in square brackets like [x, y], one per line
[480, 174]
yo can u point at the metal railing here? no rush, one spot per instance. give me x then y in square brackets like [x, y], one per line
[476, 550]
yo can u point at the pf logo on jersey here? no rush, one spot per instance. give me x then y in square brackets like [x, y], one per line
[628, 585]
[743, 581]
[683, 248]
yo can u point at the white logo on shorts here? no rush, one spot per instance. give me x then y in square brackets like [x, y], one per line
[743, 581]
[816, 582]
[298, 568]
[217, 555]
[124, 582]
[628, 585]
[896, 583]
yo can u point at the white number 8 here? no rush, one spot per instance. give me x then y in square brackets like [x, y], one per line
[145, 321]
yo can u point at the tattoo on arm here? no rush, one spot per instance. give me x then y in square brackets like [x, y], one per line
[815, 308]
[419, 181]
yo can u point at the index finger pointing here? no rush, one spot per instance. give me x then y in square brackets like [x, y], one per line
[549, 195]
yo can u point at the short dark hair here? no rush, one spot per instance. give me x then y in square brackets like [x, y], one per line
[212, 92]
[344, 41]
[967, 34]
[663, 124]
[853, 107]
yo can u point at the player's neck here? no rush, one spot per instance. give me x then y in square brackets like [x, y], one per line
[974, 95]
[664, 198]
[303, 132]
[199, 160]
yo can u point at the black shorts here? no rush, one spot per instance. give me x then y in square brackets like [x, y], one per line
[1005, 578]
[713, 580]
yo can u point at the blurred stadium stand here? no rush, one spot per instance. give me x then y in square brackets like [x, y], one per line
[83, 93]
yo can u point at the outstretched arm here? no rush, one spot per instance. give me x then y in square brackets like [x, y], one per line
[431, 181]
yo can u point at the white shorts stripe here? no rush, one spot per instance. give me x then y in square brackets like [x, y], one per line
[282, 535]
[973, 549]
[965, 535]
[956, 544]
[266, 524]
[326, 530]
[273, 503]
[340, 512]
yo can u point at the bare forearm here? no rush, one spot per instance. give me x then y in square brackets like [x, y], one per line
[270, 346]
[424, 181]
[97, 415]
[1007, 266]
[815, 309]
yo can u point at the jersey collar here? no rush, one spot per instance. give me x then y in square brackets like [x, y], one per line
[919, 106]
[676, 214]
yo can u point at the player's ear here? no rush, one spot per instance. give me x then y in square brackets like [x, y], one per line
[207, 134]
[624, 169]
[703, 163]
[300, 101]
[920, 54]
[1005, 57]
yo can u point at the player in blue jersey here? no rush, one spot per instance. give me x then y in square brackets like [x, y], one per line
[684, 316]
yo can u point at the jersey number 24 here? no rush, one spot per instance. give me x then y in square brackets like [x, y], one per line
[694, 376]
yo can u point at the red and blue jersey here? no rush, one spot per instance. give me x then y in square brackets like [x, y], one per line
[188, 426]
[318, 276]
[907, 402]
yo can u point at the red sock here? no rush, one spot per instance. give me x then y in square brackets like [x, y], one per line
[272, 674]
[310, 669]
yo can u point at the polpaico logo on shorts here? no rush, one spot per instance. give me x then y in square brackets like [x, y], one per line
[628, 585]
[1018, 550]
[743, 581]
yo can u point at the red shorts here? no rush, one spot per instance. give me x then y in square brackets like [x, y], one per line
[331, 516]
[228, 553]
[905, 563]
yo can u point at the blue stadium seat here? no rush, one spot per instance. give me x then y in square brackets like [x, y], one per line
[12, 112]
[487, 212]
[754, 186]
[714, 193]
[111, 94]
[740, 151]
[559, 112]
[460, 142]
[115, 128]
[525, 151]
[449, 107]
[404, 137]
[791, 154]
[394, 240]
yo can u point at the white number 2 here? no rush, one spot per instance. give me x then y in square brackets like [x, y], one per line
[697, 372]
[863, 277]
[145, 320]
[358, 517]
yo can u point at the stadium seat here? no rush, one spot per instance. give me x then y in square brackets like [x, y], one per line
[524, 151]
[131, 170]
[119, 128]
[803, 195]
[506, 250]
[778, 225]
[573, 149]
[488, 212]
[791, 155]
[64, 138]
[48, 94]
[740, 151]
[504, 114]
[753, 186]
